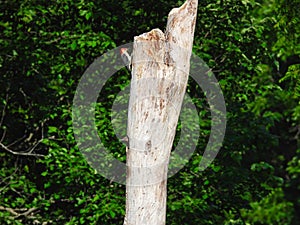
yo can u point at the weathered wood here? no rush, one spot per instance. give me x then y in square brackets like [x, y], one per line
[160, 69]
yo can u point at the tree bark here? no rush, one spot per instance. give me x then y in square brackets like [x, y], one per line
[160, 69]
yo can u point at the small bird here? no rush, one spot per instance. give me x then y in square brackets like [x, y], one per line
[125, 140]
[126, 57]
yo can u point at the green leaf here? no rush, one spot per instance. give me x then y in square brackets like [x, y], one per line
[73, 46]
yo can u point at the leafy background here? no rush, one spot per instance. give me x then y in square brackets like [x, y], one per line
[253, 48]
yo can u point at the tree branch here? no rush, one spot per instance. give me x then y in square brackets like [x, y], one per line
[29, 151]
[18, 212]
[19, 153]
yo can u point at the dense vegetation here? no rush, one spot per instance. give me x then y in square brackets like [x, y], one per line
[253, 48]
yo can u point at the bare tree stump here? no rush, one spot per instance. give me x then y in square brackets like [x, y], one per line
[160, 69]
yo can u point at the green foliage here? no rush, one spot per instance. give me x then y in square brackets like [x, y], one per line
[271, 210]
[45, 49]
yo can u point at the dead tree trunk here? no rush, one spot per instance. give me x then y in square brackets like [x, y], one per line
[160, 69]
